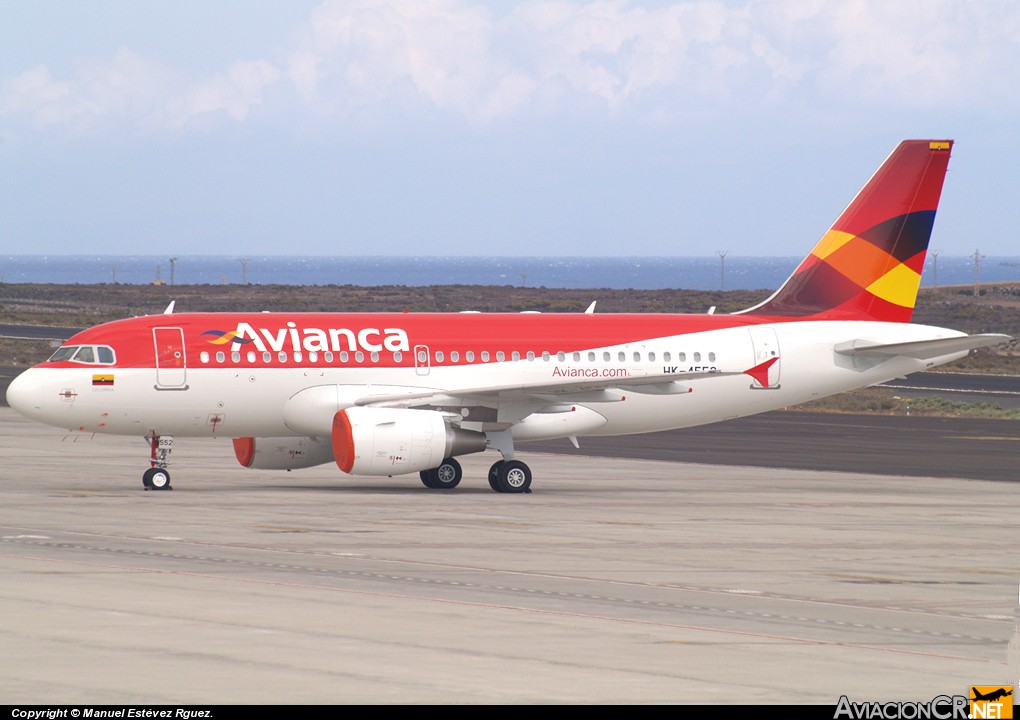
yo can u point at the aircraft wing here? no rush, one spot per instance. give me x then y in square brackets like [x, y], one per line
[541, 393]
[920, 350]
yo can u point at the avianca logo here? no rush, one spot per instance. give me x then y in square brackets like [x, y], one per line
[295, 339]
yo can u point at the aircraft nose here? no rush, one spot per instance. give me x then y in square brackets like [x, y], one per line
[24, 394]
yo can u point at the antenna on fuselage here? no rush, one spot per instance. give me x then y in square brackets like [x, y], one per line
[170, 308]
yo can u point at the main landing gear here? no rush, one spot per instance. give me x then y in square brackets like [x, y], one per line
[510, 476]
[445, 477]
[157, 477]
[505, 476]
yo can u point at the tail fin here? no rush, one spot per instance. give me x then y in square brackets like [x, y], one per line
[868, 265]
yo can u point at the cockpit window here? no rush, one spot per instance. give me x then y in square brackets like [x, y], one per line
[86, 354]
[64, 353]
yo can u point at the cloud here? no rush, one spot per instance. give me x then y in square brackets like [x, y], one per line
[622, 59]
[234, 92]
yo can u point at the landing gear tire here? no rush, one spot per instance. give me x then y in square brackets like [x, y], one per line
[494, 475]
[445, 477]
[513, 476]
[156, 479]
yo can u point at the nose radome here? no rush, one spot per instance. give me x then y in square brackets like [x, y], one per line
[24, 394]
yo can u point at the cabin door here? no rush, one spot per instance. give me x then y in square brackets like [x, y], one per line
[171, 362]
[766, 347]
[422, 359]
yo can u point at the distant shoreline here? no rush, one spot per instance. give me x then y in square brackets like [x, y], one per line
[568, 272]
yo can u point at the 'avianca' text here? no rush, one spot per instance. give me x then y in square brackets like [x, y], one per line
[319, 340]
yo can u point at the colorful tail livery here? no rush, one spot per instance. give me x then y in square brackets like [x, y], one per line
[396, 393]
[868, 265]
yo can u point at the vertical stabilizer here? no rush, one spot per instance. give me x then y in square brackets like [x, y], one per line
[868, 265]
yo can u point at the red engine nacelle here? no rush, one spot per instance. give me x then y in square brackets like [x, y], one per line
[395, 441]
[281, 453]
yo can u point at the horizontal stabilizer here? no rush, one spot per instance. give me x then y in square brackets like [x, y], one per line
[921, 349]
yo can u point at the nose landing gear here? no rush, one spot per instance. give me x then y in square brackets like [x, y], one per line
[157, 477]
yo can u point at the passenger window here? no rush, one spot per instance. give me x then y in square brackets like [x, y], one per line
[711, 357]
[328, 356]
[485, 356]
[516, 356]
[397, 356]
[359, 356]
[545, 355]
[267, 357]
[651, 357]
[235, 356]
[283, 357]
[375, 356]
[591, 357]
[439, 356]
[105, 354]
[562, 357]
[251, 356]
[666, 356]
[297, 356]
[204, 357]
[697, 357]
[469, 356]
[220, 357]
[454, 356]
[344, 357]
[501, 356]
[531, 355]
[622, 356]
[313, 356]
[682, 357]
[605, 356]
[637, 357]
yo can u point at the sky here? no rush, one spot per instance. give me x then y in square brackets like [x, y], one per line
[455, 127]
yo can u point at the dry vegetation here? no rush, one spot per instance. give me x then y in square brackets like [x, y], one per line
[889, 401]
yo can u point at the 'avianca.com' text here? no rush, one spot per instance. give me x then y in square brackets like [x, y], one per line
[590, 372]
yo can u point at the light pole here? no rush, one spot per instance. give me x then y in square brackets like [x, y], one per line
[173, 264]
[977, 271]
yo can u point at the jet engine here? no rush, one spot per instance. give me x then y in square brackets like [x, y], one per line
[395, 441]
[281, 453]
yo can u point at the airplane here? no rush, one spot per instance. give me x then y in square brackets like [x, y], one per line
[387, 394]
[992, 696]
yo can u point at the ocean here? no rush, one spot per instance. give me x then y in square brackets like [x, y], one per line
[645, 273]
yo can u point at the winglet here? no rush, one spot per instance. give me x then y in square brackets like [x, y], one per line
[760, 372]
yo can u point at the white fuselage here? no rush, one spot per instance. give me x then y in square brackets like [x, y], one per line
[246, 399]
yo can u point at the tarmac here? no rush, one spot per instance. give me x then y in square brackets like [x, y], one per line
[616, 581]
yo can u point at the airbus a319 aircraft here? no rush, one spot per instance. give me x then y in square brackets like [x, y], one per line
[392, 394]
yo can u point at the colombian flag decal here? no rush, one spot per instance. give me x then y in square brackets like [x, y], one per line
[102, 381]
